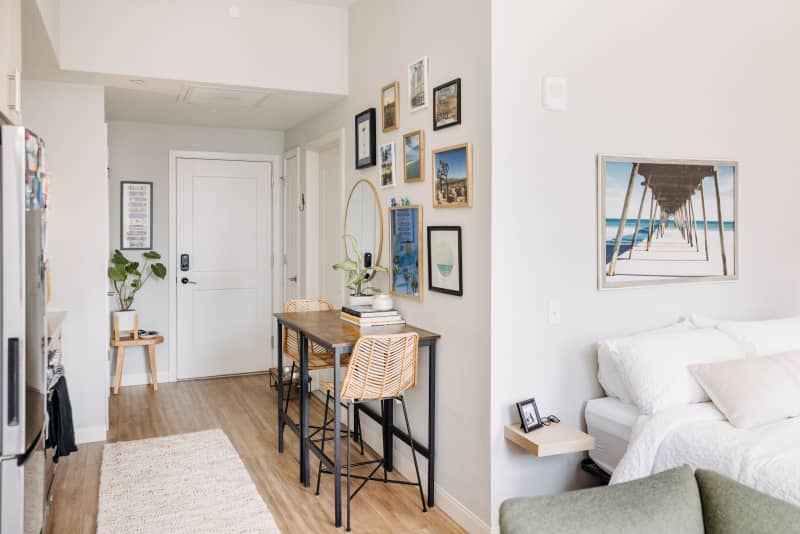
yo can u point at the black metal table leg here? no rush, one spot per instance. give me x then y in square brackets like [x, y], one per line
[337, 442]
[305, 470]
[431, 423]
[388, 435]
[280, 387]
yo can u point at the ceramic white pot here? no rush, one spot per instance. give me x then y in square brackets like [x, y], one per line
[127, 320]
[360, 301]
[383, 302]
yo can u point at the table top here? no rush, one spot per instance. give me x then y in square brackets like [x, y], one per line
[556, 438]
[328, 328]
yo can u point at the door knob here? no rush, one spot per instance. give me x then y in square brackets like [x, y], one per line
[185, 280]
[293, 278]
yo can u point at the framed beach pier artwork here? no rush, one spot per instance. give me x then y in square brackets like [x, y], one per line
[405, 228]
[666, 221]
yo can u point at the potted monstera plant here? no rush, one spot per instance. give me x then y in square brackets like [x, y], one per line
[358, 275]
[128, 278]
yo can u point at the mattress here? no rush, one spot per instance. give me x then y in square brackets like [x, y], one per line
[610, 421]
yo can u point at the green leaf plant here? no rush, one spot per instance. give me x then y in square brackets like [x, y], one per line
[127, 276]
[357, 274]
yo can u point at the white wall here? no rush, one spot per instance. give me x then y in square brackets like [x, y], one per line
[385, 37]
[70, 118]
[272, 44]
[706, 79]
[140, 152]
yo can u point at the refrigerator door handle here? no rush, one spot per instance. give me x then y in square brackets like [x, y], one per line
[13, 381]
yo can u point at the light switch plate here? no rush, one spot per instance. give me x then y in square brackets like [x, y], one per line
[554, 93]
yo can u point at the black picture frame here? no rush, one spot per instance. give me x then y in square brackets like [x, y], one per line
[459, 291]
[368, 115]
[529, 420]
[436, 123]
[122, 225]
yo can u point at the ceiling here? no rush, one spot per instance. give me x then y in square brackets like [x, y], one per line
[163, 101]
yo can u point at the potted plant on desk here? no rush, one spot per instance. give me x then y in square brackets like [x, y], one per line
[128, 278]
[358, 275]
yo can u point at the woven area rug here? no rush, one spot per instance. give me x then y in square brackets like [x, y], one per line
[185, 483]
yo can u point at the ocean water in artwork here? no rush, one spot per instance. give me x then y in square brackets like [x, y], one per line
[405, 251]
[673, 228]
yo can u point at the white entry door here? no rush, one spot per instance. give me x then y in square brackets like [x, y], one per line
[223, 221]
[293, 206]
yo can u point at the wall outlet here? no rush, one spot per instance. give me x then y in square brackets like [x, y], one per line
[554, 311]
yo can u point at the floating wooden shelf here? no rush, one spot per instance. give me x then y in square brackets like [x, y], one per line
[557, 438]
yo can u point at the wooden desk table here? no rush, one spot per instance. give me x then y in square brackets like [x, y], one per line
[328, 330]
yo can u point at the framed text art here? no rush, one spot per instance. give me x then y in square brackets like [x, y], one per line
[405, 227]
[365, 138]
[136, 215]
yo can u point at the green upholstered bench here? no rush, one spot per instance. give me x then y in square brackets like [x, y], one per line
[675, 501]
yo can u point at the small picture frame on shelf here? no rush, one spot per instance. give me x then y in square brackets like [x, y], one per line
[365, 138]
[529, 415]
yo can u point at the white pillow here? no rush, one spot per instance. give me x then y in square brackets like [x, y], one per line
[607, 372]
[762, 338]
[753, 391]
[654, 368]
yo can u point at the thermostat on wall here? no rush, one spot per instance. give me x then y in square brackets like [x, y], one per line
[554, 93]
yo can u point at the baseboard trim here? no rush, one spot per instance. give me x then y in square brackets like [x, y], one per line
[90, 434]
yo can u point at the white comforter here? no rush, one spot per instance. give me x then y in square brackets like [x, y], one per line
[766, 458]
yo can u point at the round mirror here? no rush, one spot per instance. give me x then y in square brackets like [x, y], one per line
[364, 221]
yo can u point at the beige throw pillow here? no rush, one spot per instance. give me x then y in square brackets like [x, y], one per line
[755, 391]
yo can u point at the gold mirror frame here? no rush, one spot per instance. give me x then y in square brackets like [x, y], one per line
[377, 259]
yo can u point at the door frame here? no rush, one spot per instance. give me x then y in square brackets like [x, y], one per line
[275, 231]
[296, 154]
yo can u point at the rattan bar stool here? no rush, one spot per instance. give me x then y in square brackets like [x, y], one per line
[381, 367]
[319, 358]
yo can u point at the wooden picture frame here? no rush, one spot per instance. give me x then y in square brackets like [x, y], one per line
[365, 138]
[445, 266]
[447, 104]
[529, 415]
[452, 176]
[405, 232]
[135, 219]
[390, 107]
[414, 169]
[418, 84]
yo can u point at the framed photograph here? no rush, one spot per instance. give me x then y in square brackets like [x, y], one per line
[390, 112]
[529, 415]
[405, 224]
[444, 260]
[136, 215]
[452, 171]
[666, 221]
[387, 165]
[418, 84]
[365, 139]
[414, 156]
[447, 104]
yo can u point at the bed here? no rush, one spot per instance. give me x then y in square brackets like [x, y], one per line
[611, 422]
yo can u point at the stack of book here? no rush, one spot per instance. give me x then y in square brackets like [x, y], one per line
[366, 316]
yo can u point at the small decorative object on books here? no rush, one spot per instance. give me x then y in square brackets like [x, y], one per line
[365, 138]
[367, 316]
[447, 104]
[418, 84]
[529, 415]
[390, 95]
[666, 221]
[406, 243]
[452, 171]
[358, 273]
[444, 260]
[136, 215]
[414, 156]
[128, 277]
[387, 165]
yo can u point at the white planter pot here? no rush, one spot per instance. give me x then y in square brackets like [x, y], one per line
[127, 320]
[360, 301]
[383, 302]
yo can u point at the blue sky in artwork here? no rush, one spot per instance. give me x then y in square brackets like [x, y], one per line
[457, 159]
[412, 148]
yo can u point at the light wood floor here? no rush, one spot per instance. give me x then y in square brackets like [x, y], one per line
[246, 410]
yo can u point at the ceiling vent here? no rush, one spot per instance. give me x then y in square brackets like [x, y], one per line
[226, 96]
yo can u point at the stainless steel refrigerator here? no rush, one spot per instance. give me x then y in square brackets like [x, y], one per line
[23, 385]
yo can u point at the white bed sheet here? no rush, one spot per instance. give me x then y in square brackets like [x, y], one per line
[611, 422]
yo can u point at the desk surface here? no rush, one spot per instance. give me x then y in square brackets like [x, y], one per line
[327, 327]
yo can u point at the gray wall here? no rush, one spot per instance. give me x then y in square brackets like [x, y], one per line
[386, 36]
[705, 79]
[140, 151]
